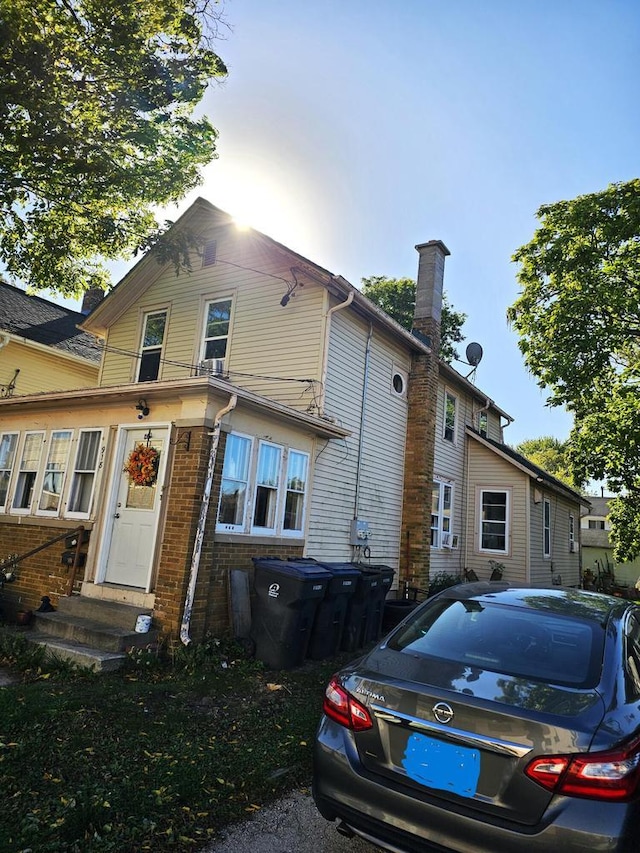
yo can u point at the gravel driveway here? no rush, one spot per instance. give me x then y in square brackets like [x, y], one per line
[290, 825]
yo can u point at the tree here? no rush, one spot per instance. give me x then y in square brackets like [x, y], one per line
[397, 298]
[97, 128]
[578, 317]
[550, 454]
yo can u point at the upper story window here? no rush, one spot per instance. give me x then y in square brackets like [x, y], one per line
[216, 330]
[270, 478]
[546, 527]
[483, 423]
[494, 520]
[450, 417]
[151, 347]
[8, 444]
[28, 471]
[54, 472]
[441, 509]
[596, 524]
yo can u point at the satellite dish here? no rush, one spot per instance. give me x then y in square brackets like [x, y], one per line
[474, 354]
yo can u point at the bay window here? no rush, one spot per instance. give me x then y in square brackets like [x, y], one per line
[54, 472]
[28, 471]
[8, 444]
[84, 473]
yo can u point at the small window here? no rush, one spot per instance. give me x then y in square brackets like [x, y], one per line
[28, 471]
[450, 407]
[494, 515]
[84, 474]
[235, 478]
[483, 422]
[8, 444]
[572, 533]
[151, 349]
[399, 382]
[596, 524]
[441, 509]
[209, 253]
[216, 331]
[54, 472]
[546, 509]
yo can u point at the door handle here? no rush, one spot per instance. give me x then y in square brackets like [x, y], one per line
[117, 515]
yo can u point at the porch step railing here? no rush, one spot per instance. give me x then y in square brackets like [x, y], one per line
[9, 564]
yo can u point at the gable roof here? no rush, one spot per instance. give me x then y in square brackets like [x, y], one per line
[35, 319]
[527, 467]
[453, 376]
[146, 271]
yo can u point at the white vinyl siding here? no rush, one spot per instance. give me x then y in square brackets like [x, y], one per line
[272, 350]
[382, 444]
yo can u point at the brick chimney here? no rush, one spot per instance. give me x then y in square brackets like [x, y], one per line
[91, 299]
[421, 418]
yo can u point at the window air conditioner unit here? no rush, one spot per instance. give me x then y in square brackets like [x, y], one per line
[211, 367]
[446, 540]
[455, 542]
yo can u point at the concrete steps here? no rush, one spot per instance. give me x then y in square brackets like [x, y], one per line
[91, 632]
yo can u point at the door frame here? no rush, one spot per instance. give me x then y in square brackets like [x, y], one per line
[113, 488]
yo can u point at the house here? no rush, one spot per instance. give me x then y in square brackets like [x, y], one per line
[597, 550]
[268, 400]
[258, 405]
[41, 347]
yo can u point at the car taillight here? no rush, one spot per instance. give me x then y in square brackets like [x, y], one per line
[340, 706]
[612, 775]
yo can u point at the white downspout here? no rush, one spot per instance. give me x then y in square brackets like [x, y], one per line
[204, 508]
[327, 333]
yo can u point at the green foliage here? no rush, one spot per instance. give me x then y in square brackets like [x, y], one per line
[158, 757]
[578, 317]
[397, 298]
[442, 580]
[550, 454]
[96, 128]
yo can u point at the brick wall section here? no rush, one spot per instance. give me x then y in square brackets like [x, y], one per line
[42, 574]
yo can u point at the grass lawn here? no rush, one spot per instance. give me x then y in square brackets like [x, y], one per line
[159, 756]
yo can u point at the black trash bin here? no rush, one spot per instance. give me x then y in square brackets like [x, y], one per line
[328, 626]
[360, 606]
[374, 626]
[287, 594]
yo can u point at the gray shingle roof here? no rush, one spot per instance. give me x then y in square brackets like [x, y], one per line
[45, 322]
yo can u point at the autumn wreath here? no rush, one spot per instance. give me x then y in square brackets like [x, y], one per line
[142, 465]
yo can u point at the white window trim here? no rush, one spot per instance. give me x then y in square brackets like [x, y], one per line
[546, 504]
[202, 344]
[55, 513]
[141, 349]
[14, 510]
[507, 537]
[444, 484]
[239, 528]
[572, 532]
[74, 470]
[248, 528]
[294, 533]
[454, 397]
[404, 376]
[6, 505]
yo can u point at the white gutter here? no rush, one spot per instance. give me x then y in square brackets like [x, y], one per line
[204, 507]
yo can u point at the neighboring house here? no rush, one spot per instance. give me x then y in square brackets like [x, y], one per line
[597, 551]
[490, 504]
[41, 346]
[273, 396]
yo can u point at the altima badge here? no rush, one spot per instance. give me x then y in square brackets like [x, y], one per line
[443, 712]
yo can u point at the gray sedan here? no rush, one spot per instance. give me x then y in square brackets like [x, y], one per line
[494, 718]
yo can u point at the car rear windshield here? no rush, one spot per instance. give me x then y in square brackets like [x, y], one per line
[540, 645]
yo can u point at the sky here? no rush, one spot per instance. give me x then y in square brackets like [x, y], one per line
[352, 130]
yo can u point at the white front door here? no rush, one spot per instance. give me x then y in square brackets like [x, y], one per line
[136, 512]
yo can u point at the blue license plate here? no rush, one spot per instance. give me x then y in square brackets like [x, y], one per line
[445, 766]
